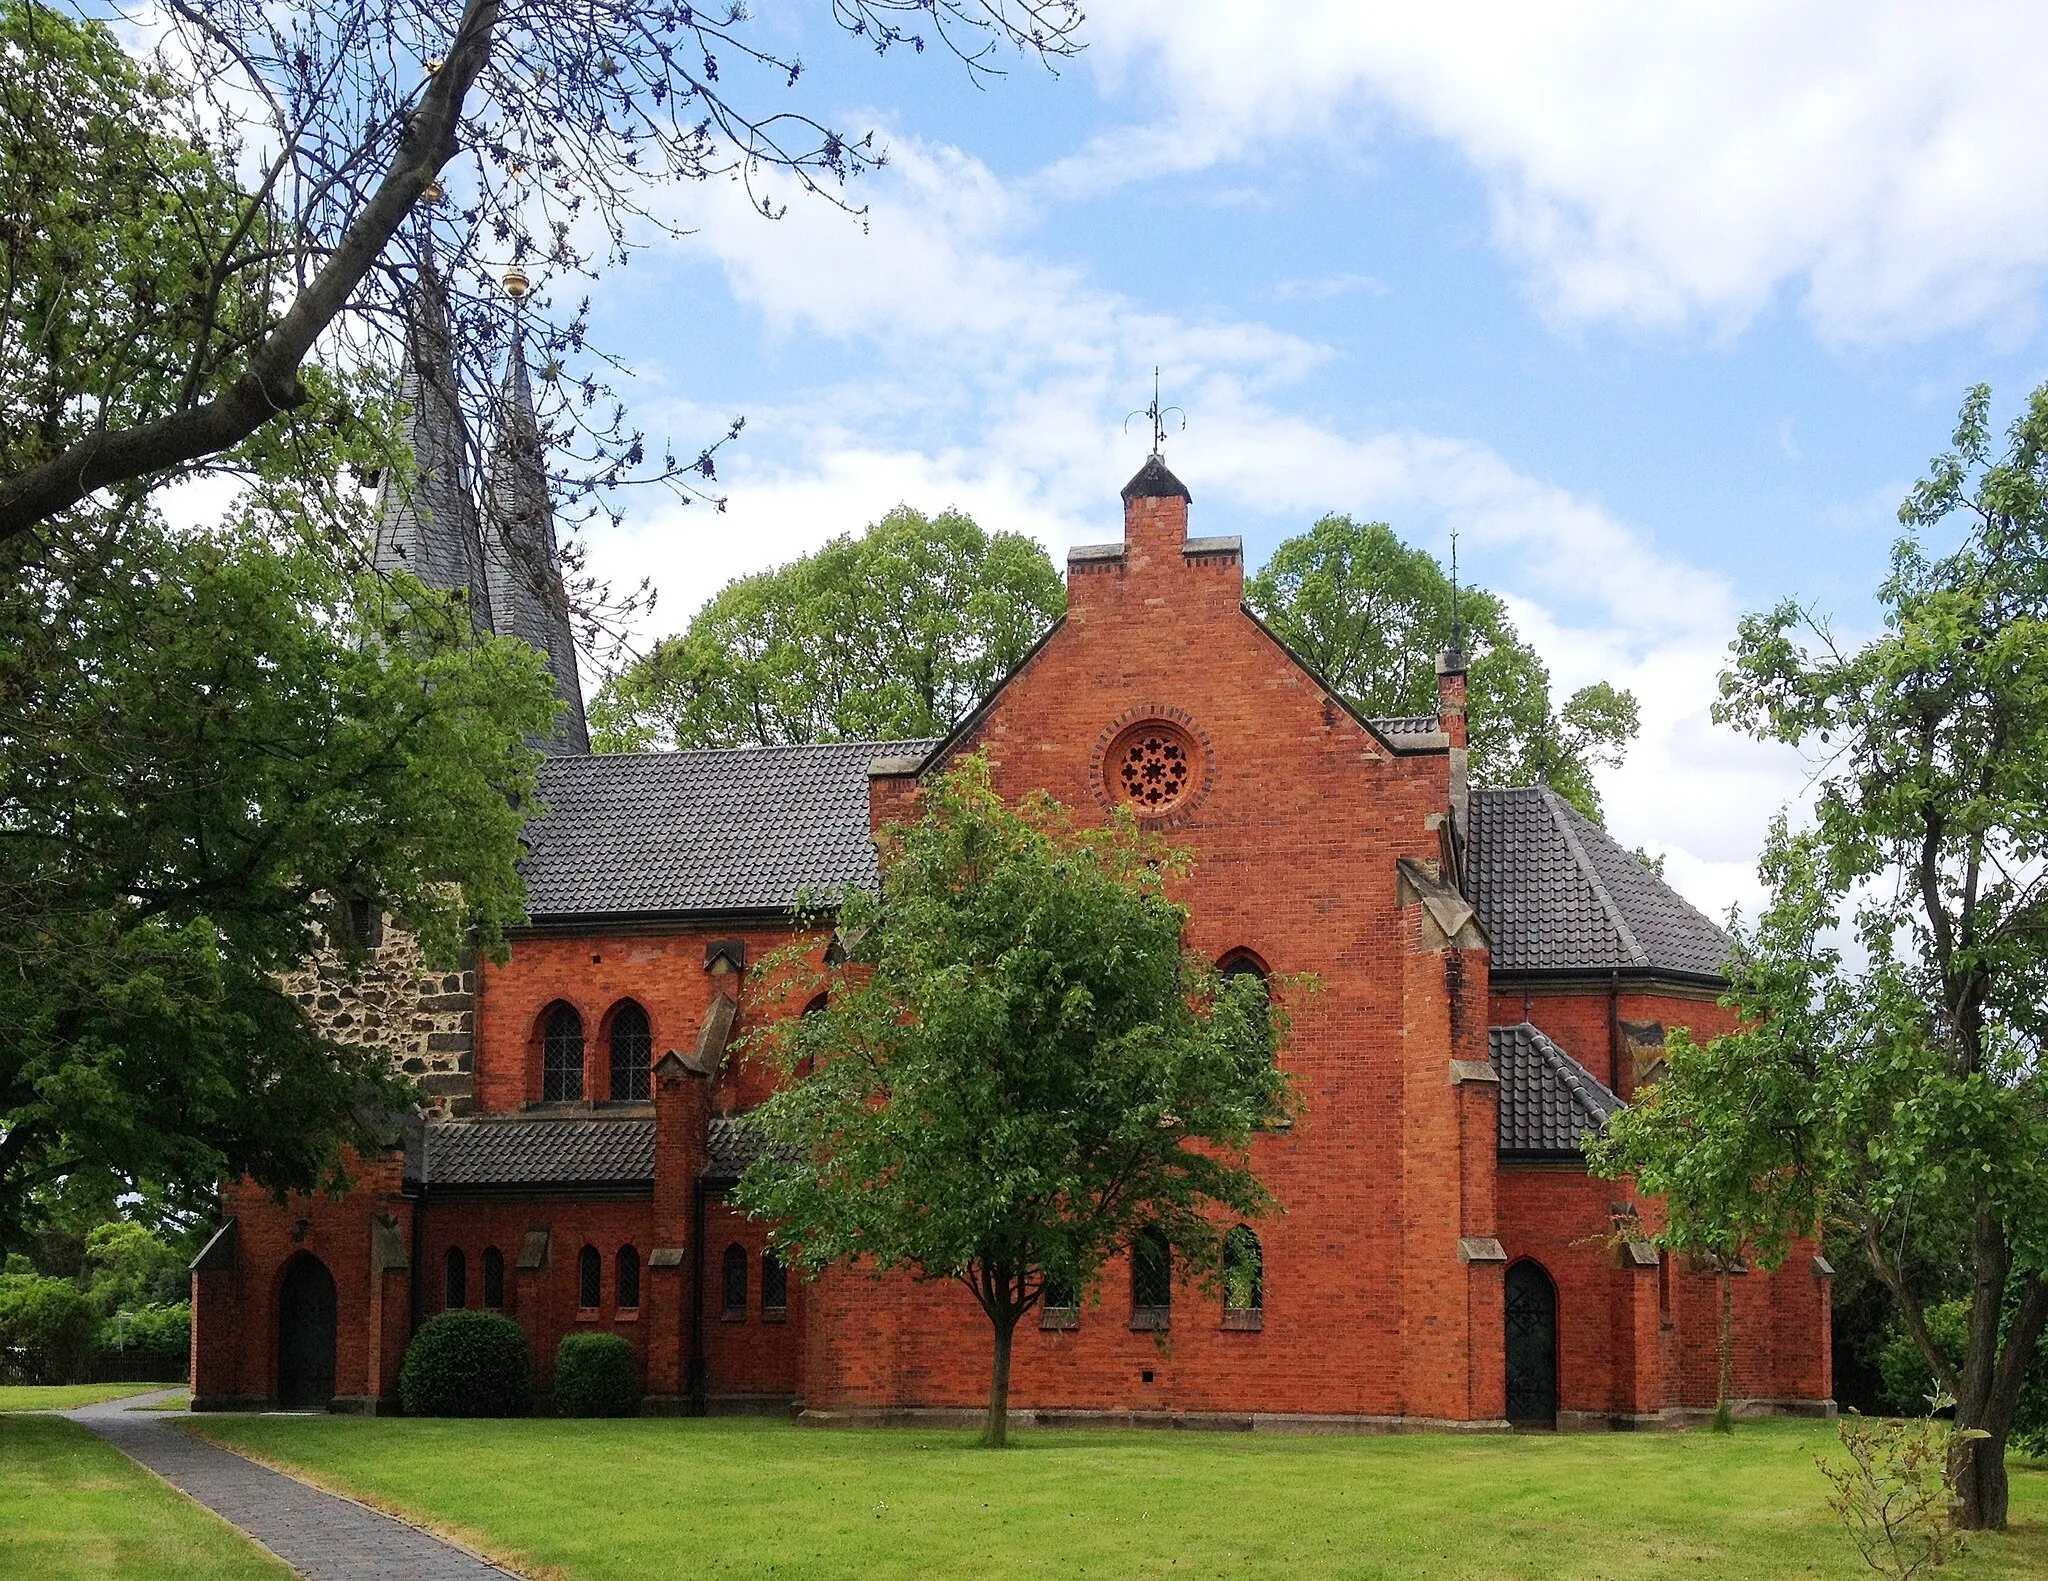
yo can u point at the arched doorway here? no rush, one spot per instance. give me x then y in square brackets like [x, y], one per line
[1531, 1345]
[305, 1336]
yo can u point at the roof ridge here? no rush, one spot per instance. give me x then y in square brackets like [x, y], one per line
[1576, 1076]
[1638, 956]
[755, 750]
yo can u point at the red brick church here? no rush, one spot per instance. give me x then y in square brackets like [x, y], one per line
[1497, 977]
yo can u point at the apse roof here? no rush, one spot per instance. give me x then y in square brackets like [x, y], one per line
[1558, 895]
[1548, 1100]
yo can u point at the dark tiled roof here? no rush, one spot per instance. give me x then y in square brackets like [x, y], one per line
[1556, 894]
[550, 1150]
[1408, 725]
[1548, 1100]
[665, 832]
[1153, 481]
[731, 1148]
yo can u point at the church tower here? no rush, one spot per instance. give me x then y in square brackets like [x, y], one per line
[426, 523]
[527, 598]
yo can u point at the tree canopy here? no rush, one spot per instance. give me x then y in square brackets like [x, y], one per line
[1899, 1094]
[1020, 1067]
[163, 315]
[203, 737]
[1373, 615]
[893, 634]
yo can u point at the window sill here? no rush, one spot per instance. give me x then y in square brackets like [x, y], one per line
[626, 1315]
[590, 1314]
[1152, 1317]
[733, 1317]
[775, 1314]
[1061, 1318]
[1244, 1320]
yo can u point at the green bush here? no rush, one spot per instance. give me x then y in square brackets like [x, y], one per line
[146, 1342]
[1908, 1383]
[47, 1327]
[594, 1376]
[467, 1364]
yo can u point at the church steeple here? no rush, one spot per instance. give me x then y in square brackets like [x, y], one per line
[526, 593]
[426, 523]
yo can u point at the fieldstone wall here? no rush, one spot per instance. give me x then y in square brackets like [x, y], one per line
[424, 1021]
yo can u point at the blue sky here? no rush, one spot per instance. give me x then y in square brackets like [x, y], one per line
[1661, 308]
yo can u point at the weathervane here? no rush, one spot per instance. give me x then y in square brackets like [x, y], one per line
[1157, 414]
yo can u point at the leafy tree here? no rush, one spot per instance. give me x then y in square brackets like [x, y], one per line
[202, 737]
[895, 634]
[158, 318]
[1020, 1067]
[1372, 615]
[1902, 1098]
[1688, 1141]
[47, 1327]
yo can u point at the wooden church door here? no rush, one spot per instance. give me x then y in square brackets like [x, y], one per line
[305, 1336]
[1531, 1345]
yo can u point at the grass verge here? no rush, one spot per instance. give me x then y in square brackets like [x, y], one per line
[71, 1506]
[722, 1499]
[63, 1396]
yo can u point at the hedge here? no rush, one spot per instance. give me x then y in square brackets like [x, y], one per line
[467, 1364]
[594, 1376]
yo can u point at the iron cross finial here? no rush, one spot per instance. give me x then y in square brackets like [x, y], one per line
[1158, 414]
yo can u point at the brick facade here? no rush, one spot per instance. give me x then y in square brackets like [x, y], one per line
[1325, 846]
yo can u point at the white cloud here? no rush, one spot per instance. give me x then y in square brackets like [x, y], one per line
[998, 383]
[1650, 163]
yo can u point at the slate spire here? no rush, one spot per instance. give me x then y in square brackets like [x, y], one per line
[427, 523]
[527, 598]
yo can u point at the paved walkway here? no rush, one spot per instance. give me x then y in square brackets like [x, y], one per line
[321, 1536]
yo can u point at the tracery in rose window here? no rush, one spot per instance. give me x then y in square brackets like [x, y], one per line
[1152, 767]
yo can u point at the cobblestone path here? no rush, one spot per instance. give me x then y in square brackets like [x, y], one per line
[321, 1536]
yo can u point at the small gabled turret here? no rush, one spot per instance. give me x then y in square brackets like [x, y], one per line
[527, 598]
[426, 523]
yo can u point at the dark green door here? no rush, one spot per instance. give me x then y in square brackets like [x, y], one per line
[305, 1336]
[1532, 1346]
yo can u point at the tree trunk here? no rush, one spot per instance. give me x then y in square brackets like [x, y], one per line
[1724, 1416]
[1978, 1465]
[1980, 1481]
[997, 1433]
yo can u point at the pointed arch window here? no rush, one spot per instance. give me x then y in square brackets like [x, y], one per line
[1151, 1280]
[774, 1287]
[589, 1279]
[632, 1049]
[735, 1283]
[1060, 1306]
[455, 1280]
[561, 1056]
[626, 1280]
[494, 1279]
[1244, 1280]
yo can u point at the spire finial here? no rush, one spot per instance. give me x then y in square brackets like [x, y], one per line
[1157, 414]
[1457, 654]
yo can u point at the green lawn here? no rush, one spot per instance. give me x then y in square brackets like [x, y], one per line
[725, 1498]
[63, 1396]
[71, 1506]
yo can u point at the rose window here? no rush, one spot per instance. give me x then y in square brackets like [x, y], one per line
[1152, 767]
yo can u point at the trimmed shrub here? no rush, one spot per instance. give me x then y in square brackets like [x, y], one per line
[594, 1376]
[467, 1364]
[47, 1327]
